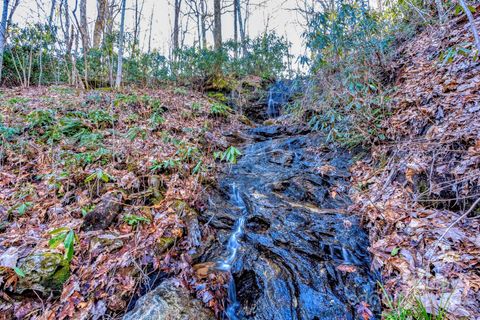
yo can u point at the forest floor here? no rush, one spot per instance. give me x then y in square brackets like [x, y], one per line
[420, 192]
[97, 187]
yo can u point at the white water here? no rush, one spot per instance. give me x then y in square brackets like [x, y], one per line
[233, 247]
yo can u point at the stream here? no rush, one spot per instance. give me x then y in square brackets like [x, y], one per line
[285, 236]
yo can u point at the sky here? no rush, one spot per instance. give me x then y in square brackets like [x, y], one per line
[276, 14]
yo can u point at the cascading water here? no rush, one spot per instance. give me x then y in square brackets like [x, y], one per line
[279, 94]
[233, 246]
[294, 251]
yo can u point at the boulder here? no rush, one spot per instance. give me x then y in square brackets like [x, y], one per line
[105, 212]
[45, 271]
[169, 302]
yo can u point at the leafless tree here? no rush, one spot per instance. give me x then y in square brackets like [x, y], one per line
[83, 26]
[176, 27]
[118, 81]
[100, 22]
[217, 29]
[3, 31]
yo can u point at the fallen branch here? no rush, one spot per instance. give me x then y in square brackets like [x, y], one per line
[460, 218]
[472, 23]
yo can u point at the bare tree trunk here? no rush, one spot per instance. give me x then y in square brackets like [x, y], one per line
[52, 12]
[217, 29]
[84, 26]
[235, 27]
[203, 23]
[176, 28]
[241, 25]
[100, 22]
[3, 30]
[150, 31]
[472, 23]
[118, 81]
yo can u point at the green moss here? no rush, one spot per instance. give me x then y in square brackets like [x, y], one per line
[59, 277]
[45, 271]
[164, 243]
[218, 96]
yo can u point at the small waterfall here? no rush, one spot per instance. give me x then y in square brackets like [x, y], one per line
[233, 246]
[279, 94]
[273, 109]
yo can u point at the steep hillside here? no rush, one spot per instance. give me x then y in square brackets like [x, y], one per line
[98, 195]
[420, 191]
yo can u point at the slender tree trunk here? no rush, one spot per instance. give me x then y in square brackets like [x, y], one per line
[150, 31]
[100, 22]
[217, 29]
[235, 26]
[241, 25]
[84, 26]
[52, 12]
[203, 23]
[3, 31]
[118, 81]
[472, 24]
[176, 28]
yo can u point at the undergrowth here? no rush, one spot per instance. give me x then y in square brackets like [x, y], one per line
[348, 95]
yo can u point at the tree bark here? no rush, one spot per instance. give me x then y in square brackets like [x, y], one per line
[52, 12]
[176, 28]
[84, 26]
[203, 23]
[235, 27]
[3, 30]
[118, 81]
[100, 22]
[217, 29]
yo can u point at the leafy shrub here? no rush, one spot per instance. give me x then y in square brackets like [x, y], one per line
[66, 236]
[165, 166]
[41, 118]
[136, 132]
[101, 118]
[220, 110]
[134, 220]
[230, 155]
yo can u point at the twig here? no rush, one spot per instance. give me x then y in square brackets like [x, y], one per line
[456, 221]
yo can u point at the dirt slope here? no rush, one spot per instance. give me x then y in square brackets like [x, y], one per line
[416, 188]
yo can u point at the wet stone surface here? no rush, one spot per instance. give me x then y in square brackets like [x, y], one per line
[301, 256]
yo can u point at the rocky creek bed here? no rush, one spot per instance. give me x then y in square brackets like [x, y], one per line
[298, 253]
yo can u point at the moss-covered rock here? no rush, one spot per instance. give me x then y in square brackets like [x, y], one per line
[163, 244]
[169, 301]
[45, 271]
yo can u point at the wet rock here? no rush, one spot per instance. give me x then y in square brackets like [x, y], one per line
[169, 302]
[295, 236]
[105, 212]
[45, 271]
